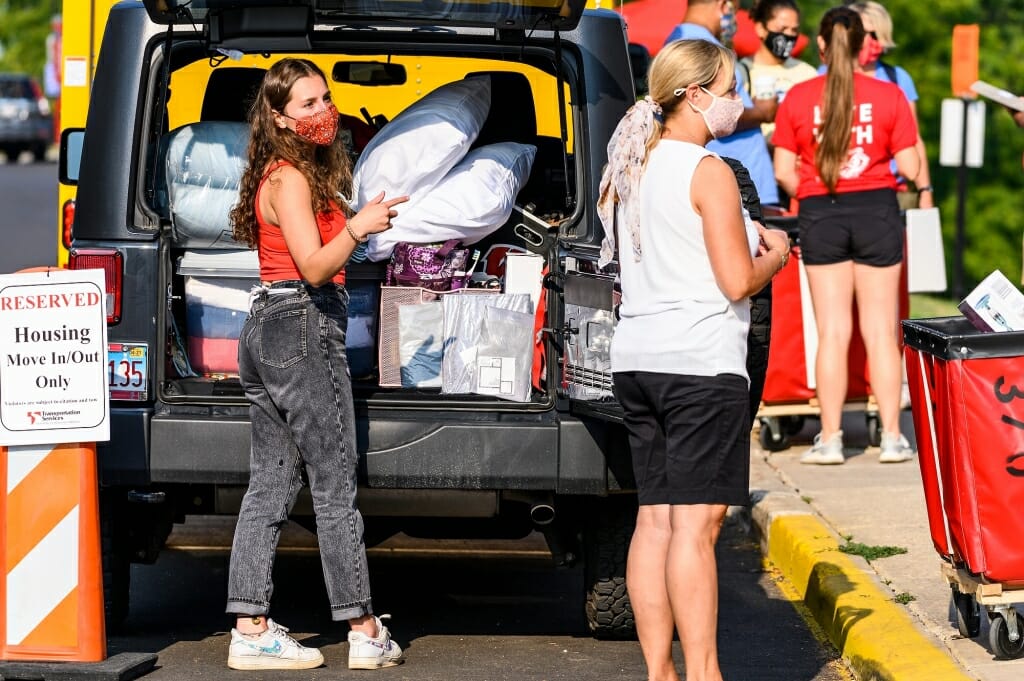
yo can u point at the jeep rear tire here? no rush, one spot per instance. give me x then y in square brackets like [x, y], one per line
[117, 564]
[606, 540]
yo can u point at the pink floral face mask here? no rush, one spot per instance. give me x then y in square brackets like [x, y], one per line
[320, 128]
[722, 114]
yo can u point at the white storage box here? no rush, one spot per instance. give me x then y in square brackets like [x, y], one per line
[217, 285]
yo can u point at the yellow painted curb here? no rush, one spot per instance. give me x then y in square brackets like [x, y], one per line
[875, 634]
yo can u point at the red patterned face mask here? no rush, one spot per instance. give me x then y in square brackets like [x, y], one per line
[870, 52]
[320, 128]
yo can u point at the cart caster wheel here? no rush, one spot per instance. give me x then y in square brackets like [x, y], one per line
[791, 425]
[999, 638]
[968, 615]
[772, 436]
[874, 430]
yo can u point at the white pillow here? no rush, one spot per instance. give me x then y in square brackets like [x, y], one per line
[411, 154]
[474, 199]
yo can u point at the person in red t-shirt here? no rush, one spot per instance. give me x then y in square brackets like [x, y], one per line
[834, 138]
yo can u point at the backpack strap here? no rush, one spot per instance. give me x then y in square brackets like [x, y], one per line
[890, 71]
[745, 73]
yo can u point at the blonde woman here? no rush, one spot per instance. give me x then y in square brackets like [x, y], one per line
[877, 42]
[679, 350]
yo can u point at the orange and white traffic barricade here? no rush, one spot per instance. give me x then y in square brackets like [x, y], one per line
[52, 584]
[53, 409]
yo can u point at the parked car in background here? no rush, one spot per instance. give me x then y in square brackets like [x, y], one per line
[26, 122]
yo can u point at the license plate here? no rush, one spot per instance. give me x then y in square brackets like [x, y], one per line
[128, 365]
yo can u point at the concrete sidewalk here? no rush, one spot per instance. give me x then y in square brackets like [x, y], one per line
[803, 513]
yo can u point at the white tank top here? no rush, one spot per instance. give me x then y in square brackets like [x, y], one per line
[674, 318]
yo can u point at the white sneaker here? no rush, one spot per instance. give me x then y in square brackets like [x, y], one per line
[905, 396]
[274, 649]
[373, 653]
[825, 452]
[895, 449]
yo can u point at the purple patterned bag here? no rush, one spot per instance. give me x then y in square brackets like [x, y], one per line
[438, 267]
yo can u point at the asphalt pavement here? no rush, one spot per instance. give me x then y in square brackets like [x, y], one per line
[480, 610]
[891, 618]
[28, 219]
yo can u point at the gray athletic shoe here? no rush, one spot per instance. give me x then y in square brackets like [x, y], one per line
[825, 452]
[895, 449]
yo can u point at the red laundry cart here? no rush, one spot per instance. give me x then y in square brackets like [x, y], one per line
[967, 399]
[789, 394]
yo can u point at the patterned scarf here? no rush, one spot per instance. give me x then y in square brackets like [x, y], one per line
[620, 181]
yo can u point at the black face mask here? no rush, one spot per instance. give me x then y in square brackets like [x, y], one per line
[779, 44]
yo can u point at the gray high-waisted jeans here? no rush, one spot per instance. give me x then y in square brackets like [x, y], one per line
[291, 359]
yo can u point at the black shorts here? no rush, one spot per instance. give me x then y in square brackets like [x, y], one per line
[865, 227]
[689, 437]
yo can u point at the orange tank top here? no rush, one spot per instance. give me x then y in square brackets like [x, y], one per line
[276, 263]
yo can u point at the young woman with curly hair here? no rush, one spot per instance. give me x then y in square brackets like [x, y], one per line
[292, 364]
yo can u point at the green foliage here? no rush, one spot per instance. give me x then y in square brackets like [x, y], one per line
[870, 552]
[923, 31]
[904, 598]
[924, 306]
[24, 25]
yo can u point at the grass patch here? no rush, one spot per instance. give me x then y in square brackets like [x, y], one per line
[904, 598]
[870, 553]
[923, 305]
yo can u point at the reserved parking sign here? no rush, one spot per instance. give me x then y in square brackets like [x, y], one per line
[53, 358]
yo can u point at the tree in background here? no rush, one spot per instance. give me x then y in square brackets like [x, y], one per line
[24, 25]
[923, 32]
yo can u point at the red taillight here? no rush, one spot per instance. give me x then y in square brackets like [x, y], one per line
[67, 219]
[112, 263]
